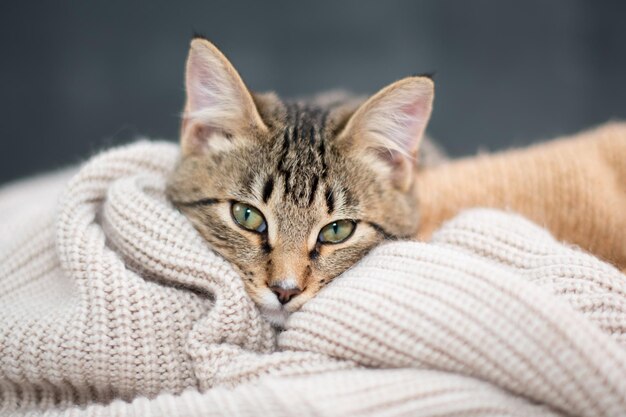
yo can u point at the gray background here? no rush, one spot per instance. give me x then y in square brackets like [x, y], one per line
[77, 77]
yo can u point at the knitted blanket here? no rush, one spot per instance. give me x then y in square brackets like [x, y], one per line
[111, 304]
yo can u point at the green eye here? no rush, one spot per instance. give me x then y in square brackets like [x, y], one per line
[248, 217]
[337, 231]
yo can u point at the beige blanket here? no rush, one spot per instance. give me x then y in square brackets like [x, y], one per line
[111, 304]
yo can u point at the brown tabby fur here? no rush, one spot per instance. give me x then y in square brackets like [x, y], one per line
[303, 166]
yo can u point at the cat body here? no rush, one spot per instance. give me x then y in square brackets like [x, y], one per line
[295, 193]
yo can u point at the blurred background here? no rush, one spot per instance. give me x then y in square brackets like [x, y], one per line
[77, 77]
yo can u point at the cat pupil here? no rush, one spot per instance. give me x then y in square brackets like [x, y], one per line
[246, 216]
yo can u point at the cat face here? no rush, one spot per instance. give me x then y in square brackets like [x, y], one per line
[294, 194]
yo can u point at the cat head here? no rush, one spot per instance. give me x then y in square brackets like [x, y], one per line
[294, 194]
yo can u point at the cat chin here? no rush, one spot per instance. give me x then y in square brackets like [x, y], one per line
[276, 316]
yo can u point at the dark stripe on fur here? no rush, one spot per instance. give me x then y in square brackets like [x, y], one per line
[281, 167]
[287, 177]
[197, 203]
[330, 200]
[322, 153]
[266, 247]
[316, 181]
[285, 149]
[296, 124]
[268, 188]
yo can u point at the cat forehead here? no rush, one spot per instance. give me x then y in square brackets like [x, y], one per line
[296, 157]
[300, 169]
[303, 120]
[326, 110]
[295, 168]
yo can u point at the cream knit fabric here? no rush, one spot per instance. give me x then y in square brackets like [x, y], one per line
[113, 297]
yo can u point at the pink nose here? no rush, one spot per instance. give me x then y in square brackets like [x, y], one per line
[284, 296]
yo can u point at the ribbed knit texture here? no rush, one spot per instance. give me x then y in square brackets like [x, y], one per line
[113, 297]
[575, 187]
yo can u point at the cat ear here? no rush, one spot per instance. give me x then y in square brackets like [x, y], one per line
[219, 105]
[390, 126]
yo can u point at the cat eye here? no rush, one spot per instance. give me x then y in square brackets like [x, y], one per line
[337, 231]
[248, 217]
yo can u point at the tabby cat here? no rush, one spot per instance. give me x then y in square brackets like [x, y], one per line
[295, 193]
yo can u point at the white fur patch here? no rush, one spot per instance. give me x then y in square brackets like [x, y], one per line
[289, 283]
[269, 301]
[277, 317]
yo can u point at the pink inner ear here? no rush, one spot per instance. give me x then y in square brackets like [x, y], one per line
[202, 88]
[412, 125]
